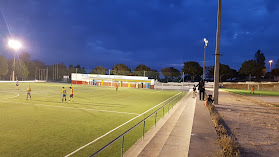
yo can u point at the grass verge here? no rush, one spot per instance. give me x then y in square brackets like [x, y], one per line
[256, 93]
[226, 140]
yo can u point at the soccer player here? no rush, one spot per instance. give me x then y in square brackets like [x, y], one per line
[64, 94]
[116, 87]
[17, 84]
[28, 92]
[72, 94]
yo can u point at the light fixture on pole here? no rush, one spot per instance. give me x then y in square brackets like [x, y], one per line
[270, 63]
[205, 45]
[14, 44]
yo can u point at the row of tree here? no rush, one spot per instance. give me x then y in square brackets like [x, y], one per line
[28, 69]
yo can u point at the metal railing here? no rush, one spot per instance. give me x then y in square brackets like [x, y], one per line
[171, 103]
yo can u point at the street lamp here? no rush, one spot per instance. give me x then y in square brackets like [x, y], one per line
[270, 64]
[205, 45]
[14, 44]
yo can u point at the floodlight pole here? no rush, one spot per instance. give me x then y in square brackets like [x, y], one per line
[204, 62]
[13, 78]
[217, 55]
[205, 45]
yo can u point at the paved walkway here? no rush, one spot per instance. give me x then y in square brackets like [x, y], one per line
[171, 137]
[204, 137]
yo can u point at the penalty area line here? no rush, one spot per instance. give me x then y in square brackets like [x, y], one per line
[117, 128]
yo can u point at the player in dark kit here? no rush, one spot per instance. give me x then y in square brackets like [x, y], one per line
[72, 94]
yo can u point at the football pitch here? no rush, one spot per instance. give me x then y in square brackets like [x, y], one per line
[44, 126]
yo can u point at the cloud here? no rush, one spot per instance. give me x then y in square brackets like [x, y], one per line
[155, 32]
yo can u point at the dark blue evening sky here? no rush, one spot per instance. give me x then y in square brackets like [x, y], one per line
[158, 33]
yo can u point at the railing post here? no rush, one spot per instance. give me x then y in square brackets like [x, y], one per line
[163, 111]
[155, 118]
[143, 130]
[122, 148]
[169, 108]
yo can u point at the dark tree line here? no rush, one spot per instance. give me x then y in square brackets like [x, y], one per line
[27, 69]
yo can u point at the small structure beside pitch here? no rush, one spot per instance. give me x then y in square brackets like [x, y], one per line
[113, 80]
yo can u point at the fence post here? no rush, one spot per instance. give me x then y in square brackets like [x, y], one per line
[122, 148]
[143, 130]
[163, 111]
[155, 118]
[169, 108]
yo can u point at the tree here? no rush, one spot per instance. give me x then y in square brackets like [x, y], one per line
[225, 72]
[259, 58]
[275, 72]
[33, 66]
[4, 66]
[277, 64]
[139, 70]
[99, 70]
[80, 69]
[121, 69]
[193, 69]
[21, 71]
[250, 68]
[153, 74]
[170, 73]
[62, 70]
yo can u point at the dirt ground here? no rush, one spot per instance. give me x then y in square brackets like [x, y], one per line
[255, 126]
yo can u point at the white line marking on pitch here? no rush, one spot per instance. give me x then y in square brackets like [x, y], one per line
[16, 95]
[75, 108]
[117, 127]
[156, 92]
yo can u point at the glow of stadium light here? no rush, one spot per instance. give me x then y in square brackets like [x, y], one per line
[205, 41]
[270, 63]
[14, 44]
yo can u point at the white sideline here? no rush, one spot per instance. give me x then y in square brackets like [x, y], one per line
[75, 108]
[117, 128]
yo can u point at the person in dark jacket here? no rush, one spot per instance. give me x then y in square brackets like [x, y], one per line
[201, 88]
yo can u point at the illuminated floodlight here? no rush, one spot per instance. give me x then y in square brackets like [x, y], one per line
[14, 44]
[270, 61]
[205, 41]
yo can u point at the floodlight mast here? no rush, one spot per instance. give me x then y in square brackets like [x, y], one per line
[14, 44]
[270, 64]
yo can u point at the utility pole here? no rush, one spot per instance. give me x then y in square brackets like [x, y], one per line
[35, 73]
[39, 74]
[53, 72]
[76, 75]
[57, 72]
[183, 80]
[47, 74]
[13, 78]
[217, 55]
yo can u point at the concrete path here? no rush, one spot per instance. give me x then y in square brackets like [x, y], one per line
[204, 137]
[171, 137]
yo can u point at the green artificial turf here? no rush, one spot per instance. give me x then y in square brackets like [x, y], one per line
[44, 126]
[257, 92]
